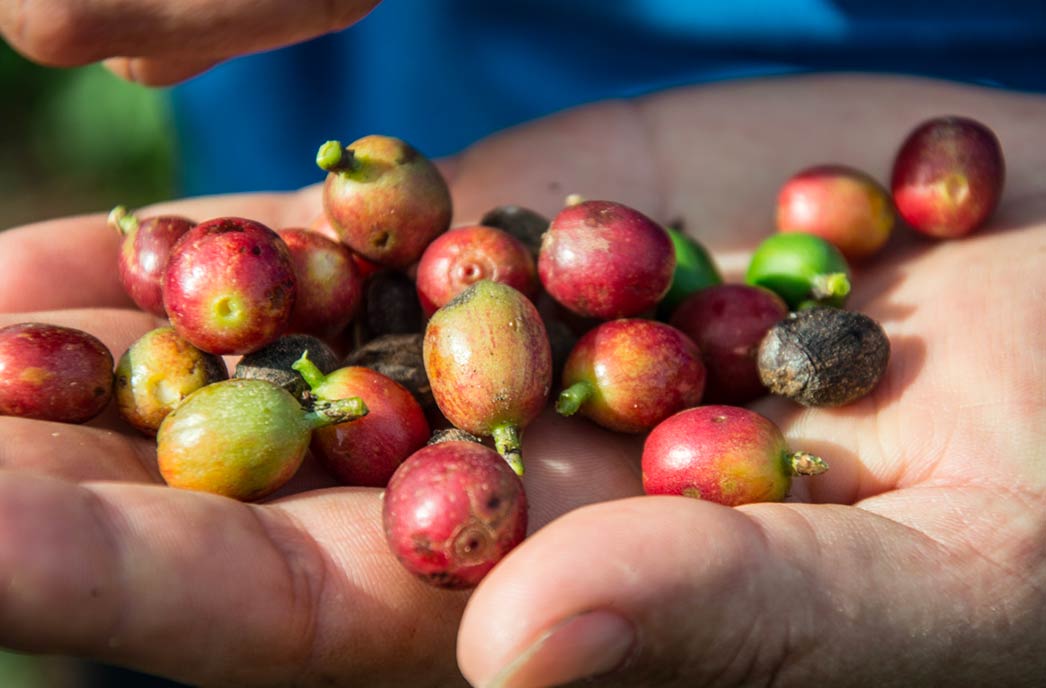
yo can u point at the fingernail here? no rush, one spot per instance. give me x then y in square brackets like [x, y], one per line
[581, 646]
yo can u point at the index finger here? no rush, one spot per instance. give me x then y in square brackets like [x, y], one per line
[65, 33]
[72, 262]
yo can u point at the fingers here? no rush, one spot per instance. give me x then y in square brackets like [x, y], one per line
[67, 263]
[65, 33]
[210, 591]
[670, 591]
[275, 210]
[76, 453]
[72, 262]
[570, 462]
[157, 71]
[117, 328]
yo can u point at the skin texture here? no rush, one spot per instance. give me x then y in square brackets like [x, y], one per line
[917, 561]
[162, 43]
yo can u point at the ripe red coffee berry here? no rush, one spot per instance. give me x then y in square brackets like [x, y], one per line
[329, 285]
[53, 373]
[275, 362]
[724, 454]
[465, 255]
[523, 223]
[368, 450]
[728, 322]
[452, 511]
[948, 176]
[385, 200]
[229, 286]
[604, 260]
[144, 251]
[846, 206]
[630, 374]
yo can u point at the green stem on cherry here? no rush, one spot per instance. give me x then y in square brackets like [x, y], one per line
[571, 398]
[334, 411]
[832, 285]
[333, 157]
[507, 443]
[805, 463]
[313, 376]
[122, 221]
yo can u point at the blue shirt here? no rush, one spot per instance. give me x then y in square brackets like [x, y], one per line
[443, 73]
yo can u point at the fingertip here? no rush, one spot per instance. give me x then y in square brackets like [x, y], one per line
[612, 583]
[580, 647]
[157, 72]
[64, 263]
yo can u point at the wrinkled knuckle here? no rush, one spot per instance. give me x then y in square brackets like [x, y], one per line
[305, 577]
[61, 34]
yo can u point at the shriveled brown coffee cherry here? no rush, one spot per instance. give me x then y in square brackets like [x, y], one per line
[523, 223]
[273, 362]
[397, 356]
[390, 306]
[452, 434]
[823, 356]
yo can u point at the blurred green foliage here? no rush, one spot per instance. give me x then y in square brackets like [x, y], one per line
[73, 141]
[79, 140]
[28, 671]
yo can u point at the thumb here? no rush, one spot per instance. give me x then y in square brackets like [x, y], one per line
[673, 591]
[636, 590]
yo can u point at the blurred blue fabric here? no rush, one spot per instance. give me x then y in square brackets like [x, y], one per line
[443, 73]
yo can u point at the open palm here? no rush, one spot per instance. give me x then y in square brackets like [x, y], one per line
[921, 555]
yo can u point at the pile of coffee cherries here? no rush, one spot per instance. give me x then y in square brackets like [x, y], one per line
[408, 355]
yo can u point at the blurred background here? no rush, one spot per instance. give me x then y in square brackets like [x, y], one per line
[75, 141]
[79, 140]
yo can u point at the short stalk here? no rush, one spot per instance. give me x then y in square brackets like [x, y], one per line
[832, 285]
[507, 443]
[805, 463]
[313, 376]
[335, 411]
[571, 398]
[122, 221]
[333, 157]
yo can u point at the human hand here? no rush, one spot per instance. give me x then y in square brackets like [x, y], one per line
[166, 41]
[917, 559]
